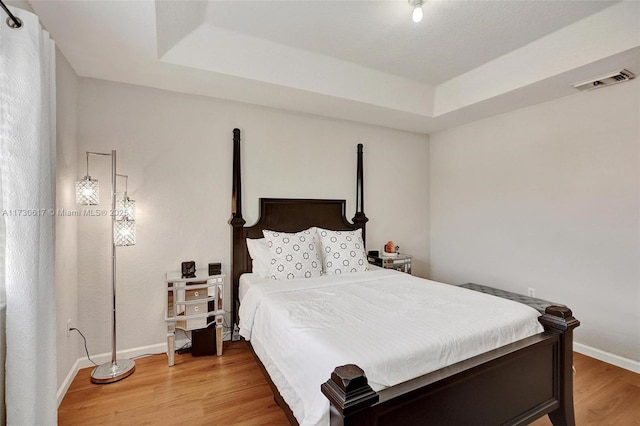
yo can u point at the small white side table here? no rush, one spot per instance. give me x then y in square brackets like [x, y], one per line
[194, 304]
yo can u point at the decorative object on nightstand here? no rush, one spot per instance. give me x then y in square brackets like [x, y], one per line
[390, 249]
[188, 269]
[194, 304]
[215, 268]
[123, 233]
[400, 262]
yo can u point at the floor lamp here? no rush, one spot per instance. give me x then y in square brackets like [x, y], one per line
[122, 234]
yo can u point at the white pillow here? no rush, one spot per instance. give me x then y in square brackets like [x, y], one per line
[342, 251]
[293, 255]
[259, 252]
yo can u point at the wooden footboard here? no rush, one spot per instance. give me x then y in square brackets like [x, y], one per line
[512, 385]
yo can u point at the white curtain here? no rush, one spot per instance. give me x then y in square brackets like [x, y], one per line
[27, 182]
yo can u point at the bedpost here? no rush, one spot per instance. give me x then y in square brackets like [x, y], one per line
[237, 223]
[559, 319]
[349, 394]
[236, 190]
[360, 218]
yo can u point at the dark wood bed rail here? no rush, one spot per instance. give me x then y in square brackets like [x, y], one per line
[512, 385]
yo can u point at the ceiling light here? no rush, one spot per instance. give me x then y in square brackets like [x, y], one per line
[417, 10]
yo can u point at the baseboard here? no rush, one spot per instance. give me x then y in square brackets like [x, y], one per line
[64, 387]
[83, 362]
[106, 357]
[158, 348]
[618, 361]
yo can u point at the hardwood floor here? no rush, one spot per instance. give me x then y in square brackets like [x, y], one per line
[603, 394]
[230, 390]
[206, 390]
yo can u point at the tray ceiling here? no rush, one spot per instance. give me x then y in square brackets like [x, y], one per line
[357, 60]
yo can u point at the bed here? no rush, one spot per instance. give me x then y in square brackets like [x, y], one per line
[515, 381]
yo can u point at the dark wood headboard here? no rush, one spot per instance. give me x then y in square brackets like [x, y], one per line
[286, 215]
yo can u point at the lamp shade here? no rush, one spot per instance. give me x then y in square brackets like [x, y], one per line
[124, 232]
[126, 208]
[87, 191]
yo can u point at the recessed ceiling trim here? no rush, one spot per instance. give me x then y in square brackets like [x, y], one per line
[218, 50]
[607, 33]
[119, 41]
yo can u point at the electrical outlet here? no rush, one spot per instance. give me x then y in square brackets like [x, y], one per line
[68, 327]
[531, 292]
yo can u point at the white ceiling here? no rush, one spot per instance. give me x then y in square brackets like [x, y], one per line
[453, 38]
[358, 60]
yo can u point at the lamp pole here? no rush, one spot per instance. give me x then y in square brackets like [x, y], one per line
[117, 369]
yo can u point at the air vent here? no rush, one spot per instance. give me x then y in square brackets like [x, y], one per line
[605, 80]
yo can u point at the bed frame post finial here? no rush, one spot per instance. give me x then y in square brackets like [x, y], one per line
[560, 319]
[349, 393]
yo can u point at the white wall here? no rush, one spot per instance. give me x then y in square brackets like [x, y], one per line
[66, 228]
[548, 197]
[177, 151]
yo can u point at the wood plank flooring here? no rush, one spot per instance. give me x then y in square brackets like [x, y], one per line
[230, 390]
[603, 394]
[206, 390]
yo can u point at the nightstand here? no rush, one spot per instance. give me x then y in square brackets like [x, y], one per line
[194, 304]
[400, 262]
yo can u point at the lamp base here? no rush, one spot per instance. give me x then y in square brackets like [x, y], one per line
[110, 372]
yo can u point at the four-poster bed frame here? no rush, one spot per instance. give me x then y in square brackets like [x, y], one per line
[513, 385]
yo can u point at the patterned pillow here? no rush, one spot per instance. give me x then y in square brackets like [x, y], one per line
[293, 255]
[342, 251]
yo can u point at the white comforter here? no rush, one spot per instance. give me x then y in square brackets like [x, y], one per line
[393, 325]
